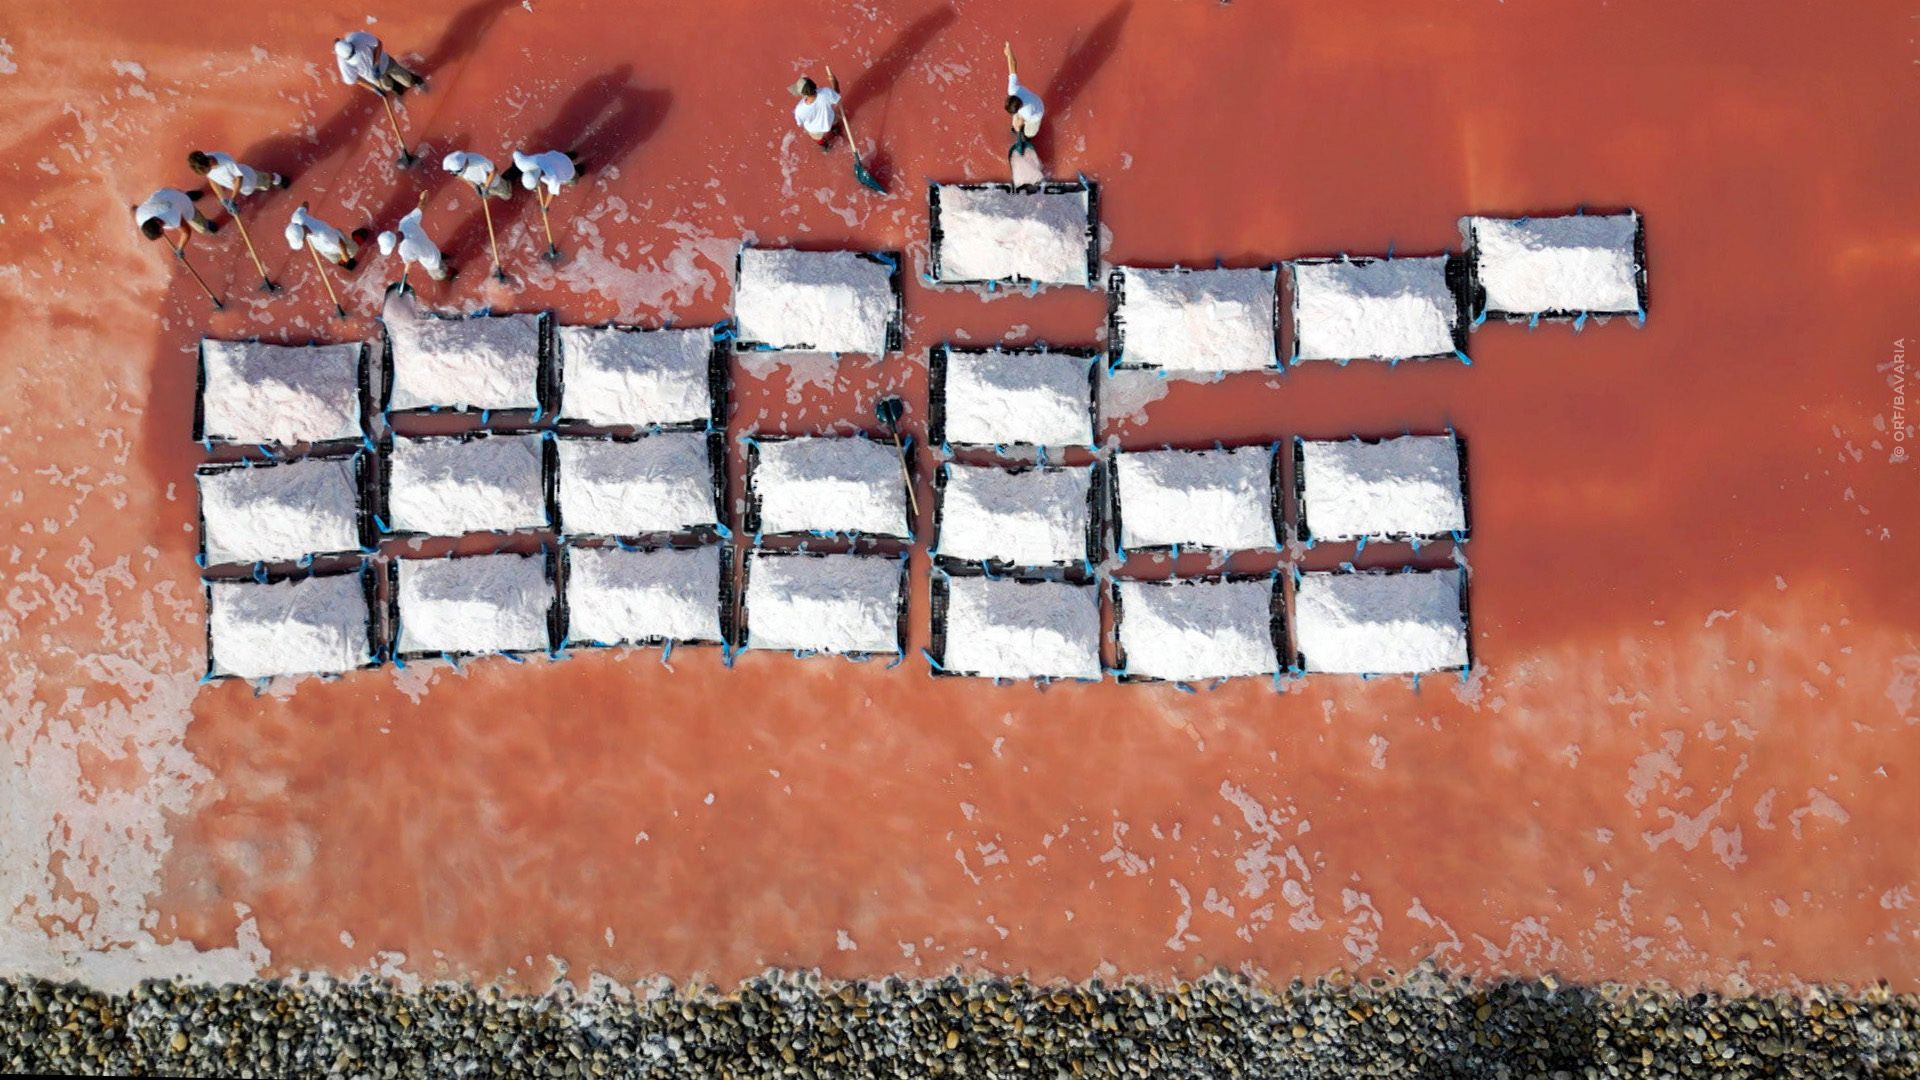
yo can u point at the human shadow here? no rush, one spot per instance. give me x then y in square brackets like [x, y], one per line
[878, 79]
[1087, 57]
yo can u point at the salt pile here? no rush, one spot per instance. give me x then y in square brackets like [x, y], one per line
[473, 604]
[1195, 320]
[1217, 499]
[1380, 624]
[1014, 398]
[1374, 309]
[827, 485]
[303, 626]
[612, 376]
[1557, 265]
[483, 362]
[280, 512]
[1191, 630]
[815, 301]
[824, 603]
[1402, 488]
[992, 232]
[447, 486]
[1029, 517]
[660, 483]
[281, 394]
[1003, 628]
[617, 596]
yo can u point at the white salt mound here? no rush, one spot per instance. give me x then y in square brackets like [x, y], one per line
[1374, 309]
[474, 604]
[280, 512]
[996, 398]
[830, 485]
[816, 301]
[1186, 631]
[1198, 320]
[1380, 624]
[1403, 487]
[483, 362]
[1001, 628]
[448, 487]
[660, 483]
[280, 394]
[1218, 499]
[618, 376]
[1581, 262]
[667, 594]
[996, 234]
[308, 626]
[1033, 517]
[823, 603]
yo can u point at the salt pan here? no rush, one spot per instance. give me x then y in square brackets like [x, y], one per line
[824, 603]
[1190, 630]
[280, 512]
[1216, 499]
[816, 301]
[280, 394]
[617, 596]
[614, 376]
[1195, 320]
[994, 232]
[1401, 488]
[1374, 309]
[661, 483]
[304, 626]
[1000, 397]
[1005, 628]
[483, 362]
[473, 604]
[1030, 517]
[448, 486]
[1380, 624]
[827, 485]
[1557, 265]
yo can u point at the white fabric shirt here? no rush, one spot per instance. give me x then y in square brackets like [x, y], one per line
[817, 116]
[304, 228]
[552, 168]
[358, 56]
[169, 206]
[1031, 107]
[412, 243]
[472, 168]
[230, 175]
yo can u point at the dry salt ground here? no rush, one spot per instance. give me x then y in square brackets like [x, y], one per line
[1373, 309]
[661, 483]
[280, 512]
[1221, 500]
[280, 394]
[1380, 624]
[616, 596]
[1000, 234]
[1576, 263]
[823, 603]
[1405, 487]
[306, 626]
[815, 301]
[614, 376]
[998, 398]
[483, 362]
[441, 486]
[473, 604]
[1198, 320]
[1191, 631]
[1034, 517]
[1003, 628]
[829, 485]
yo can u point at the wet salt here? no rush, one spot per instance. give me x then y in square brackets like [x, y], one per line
[659, 483]
[1031, 517]
[616, 596]
[1374, 309]
[995, 398]
[830, 485]
[449, 487]
[823, 603]
[1187, 631]
[1581, 262]
[474, 604]
[307, 626]
[1218, 499]
[280, 512]
[816, 301]
[483, 362]
[619, 376]
[1402, 487]
[1198, 320]
[1003, 628]
[1380, 624]
[280, 394]
[997, 234]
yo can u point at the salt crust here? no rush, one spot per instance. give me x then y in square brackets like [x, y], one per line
[1186, 631]
[448, 487]
[1580, 262]
[1380, 624]
[305, 626]
[815, 301]
[483, 362]
[474, 604]
[1218, 499]
[280, 512]
[660, 483]
[669, 594]
[996, 398]
[280, 394]
[830, 485]
[1002, 628]
[1200, 320]
[1387, 309]
[1402, 487]
[993, 234]
[823, 603]
[1034, 517]
[615, 377]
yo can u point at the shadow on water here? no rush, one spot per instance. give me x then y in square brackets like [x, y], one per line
[878, 79]
[1088, 56]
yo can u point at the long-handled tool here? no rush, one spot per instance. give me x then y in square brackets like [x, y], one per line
[860, 172]
[405, 160]
[233, 211]
[542, 197]
[493, 242]
[321, 268]
[180, 252]
[890, 410]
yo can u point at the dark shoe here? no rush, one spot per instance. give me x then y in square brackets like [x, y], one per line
[351, 264]
[360, 235]
[280, 180]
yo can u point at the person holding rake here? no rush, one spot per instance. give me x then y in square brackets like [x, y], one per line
[544, 175]
[488, 184]
[415, 247]
[230, 179]
[324, 241]
[363, 62]
[171, 210]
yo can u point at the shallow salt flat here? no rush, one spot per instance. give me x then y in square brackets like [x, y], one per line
[449, 487]
[478, 362]
[615, 376]
[829, 485]
[1408, 486]
[473, 604]
[1002, 628]
[280, 512]
[1186, 631]
[997, 398]
[1380, 624]
[306, 626]
[661, 483]
[280, 394]
[1576, 263]
[815, 301]
[1198, 320]
[669, 594]
[823, 603]
[1217, 499]
[1030, 517]
[996, 234]
[1374, 309]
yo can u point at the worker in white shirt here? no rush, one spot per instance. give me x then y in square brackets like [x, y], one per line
[818, 110]
[544, 175]
[305, 230]
[1024, 107]
[478, 171]
[171, 208]
[363, 62]
[415, 247]
[229, 178]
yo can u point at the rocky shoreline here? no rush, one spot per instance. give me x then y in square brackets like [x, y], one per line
[798, 1024]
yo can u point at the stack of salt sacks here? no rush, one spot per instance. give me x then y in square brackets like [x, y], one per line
[985, 234]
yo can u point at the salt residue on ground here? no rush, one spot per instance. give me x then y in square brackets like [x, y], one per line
[1373, 309]
[816, 301]
[616, 595]
[482, 362]
[997, 398]
[1380, 624]
[1003, 628]
[1186, 630]
[449, 486]
[997, 234]
[1581, 262]
[1028, 517]
[1216, 499]
[473, 604]
[823, 603]
[280, 512]
[661, 483]
[1403, 487]
[315, 625]
[1198, 320]
[284, 394]
[829, 485]
[618, 376]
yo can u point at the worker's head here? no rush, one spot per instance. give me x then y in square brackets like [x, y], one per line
[341, 49]
[804, 88]
[1014, 103]
[150, 228]
[454, 161]
[199, 162]
[389, 241]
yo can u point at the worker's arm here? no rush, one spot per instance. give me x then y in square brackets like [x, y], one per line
[832, 79]
[1011, 70]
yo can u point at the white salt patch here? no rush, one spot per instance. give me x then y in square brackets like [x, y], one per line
[448, 487]
[1218, 499]
[616, 596]
[484, 362]
[474, 604]
[280, 393]
[996, 234]
[1582, 262]
[310, 626]
[817, 301]
[1403, 487]
[660, 483]
[273, 513]
[1380, 624]
[617, 376]
[996, 398]
[1374, 309]
[1199, 320]
[1031, 517]
[825, 603]
[1000, 628]
[1191, 630]
[830, 485]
